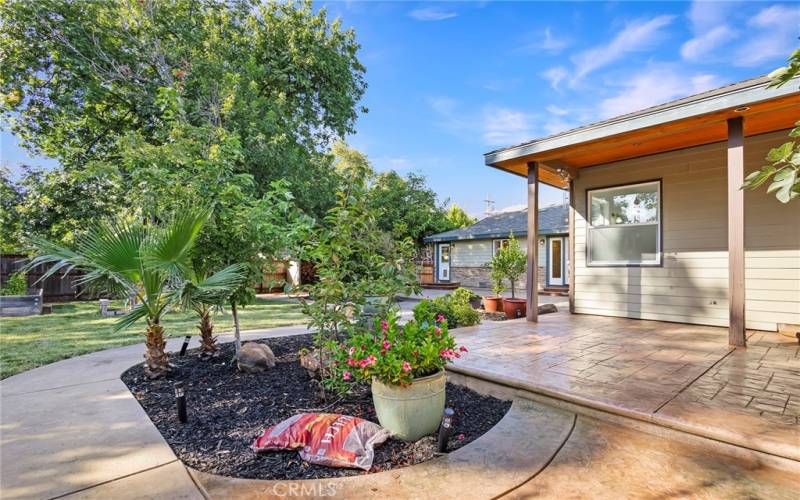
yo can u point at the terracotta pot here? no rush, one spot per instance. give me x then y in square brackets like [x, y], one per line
[492, 304]
[515, 308]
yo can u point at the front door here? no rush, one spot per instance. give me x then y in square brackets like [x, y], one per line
[444, 262]
[556, 260]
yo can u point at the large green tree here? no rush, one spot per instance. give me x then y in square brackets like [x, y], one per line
[86, 81]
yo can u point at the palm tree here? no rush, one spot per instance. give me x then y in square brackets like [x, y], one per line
[203, 293]
[148, 261]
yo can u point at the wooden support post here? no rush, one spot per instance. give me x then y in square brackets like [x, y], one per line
[571, 248]
[532, 284]
[736, 328]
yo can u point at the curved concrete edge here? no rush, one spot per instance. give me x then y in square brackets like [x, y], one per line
[781, 452]
[510, 454]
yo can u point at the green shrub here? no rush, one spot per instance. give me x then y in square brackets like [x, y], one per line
[17, 284]
[454, 307]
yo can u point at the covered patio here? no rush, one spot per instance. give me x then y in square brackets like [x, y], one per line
[681, 376]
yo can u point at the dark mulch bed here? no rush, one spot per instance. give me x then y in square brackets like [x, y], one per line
[228, 410]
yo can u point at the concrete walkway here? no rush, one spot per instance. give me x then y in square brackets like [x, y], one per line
[72, 429]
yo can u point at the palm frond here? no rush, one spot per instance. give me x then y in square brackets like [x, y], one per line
[114, 247]
[128, 320]
[168, 248]
[213, 290]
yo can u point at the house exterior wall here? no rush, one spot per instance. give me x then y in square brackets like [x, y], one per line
[469, 263]
[691, 286]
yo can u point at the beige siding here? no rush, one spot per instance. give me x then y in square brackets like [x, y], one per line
[692, 285]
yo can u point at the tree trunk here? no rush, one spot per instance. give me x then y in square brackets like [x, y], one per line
[156, 363]
[237, 339]
[512, 289]
[208, 342]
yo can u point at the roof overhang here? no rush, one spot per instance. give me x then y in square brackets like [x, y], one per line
[683, 123]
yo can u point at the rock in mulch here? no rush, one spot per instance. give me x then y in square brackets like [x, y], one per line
[255, 358]
[229, 409]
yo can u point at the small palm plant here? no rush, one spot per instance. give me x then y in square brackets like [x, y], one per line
[148, 261]
[203, 293]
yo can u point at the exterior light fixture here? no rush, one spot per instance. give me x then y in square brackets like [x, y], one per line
[742, 109]
[185, 345]
[563, 173]
[180, 400]
[446, 429]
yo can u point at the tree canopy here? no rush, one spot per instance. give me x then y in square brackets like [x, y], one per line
[87, 82]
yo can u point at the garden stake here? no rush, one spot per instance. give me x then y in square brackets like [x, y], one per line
[180, 399]
[185, 345]
[446, 429]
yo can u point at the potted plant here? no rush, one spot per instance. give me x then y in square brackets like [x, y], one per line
[405, 365]
[494, 303]
[509, 263]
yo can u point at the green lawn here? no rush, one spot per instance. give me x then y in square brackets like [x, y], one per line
[76, 328]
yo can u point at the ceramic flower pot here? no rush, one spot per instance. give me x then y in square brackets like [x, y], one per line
[515, 308]
[492, 304]
[413, 411]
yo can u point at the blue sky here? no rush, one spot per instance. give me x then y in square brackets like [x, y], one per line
[450, 81]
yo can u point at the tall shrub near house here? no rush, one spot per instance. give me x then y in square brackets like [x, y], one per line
[509, 263]
[353, 259]
[148, 261]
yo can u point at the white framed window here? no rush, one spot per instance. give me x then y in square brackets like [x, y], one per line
[624, 225]
[498, 244]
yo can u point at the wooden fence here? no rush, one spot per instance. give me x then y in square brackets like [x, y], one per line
[56, 288]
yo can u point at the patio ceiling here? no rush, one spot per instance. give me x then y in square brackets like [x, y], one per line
[684, 123]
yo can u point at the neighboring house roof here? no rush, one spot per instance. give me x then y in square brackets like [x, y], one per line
[552, 220]
[729, 96]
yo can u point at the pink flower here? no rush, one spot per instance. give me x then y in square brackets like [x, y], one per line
[371, 360]
[463, 349]
[440, 318]
[460, 437]
[351, 351]
[406, 366]
[384, 325]
[438, 331]
[387, 344]
[351, 361]
[457, 355]
[362, 363]
[346, 375]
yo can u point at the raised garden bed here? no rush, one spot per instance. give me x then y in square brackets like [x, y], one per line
[228, 409]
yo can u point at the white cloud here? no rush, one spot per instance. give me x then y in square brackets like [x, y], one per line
[773, 33]
[556, 110]
[657, 85]
[443, 105]
[504, 126]
[636, 36]
[710, 29]
[555, 76]
[700, 46]
[431, 14]
[545, 41]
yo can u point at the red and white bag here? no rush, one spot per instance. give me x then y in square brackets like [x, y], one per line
[325, 439]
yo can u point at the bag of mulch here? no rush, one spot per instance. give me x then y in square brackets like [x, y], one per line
[325, 439]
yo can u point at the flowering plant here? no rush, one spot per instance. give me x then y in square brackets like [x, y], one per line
[396, 354]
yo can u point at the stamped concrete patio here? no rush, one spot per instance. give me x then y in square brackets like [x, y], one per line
[680, 376]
